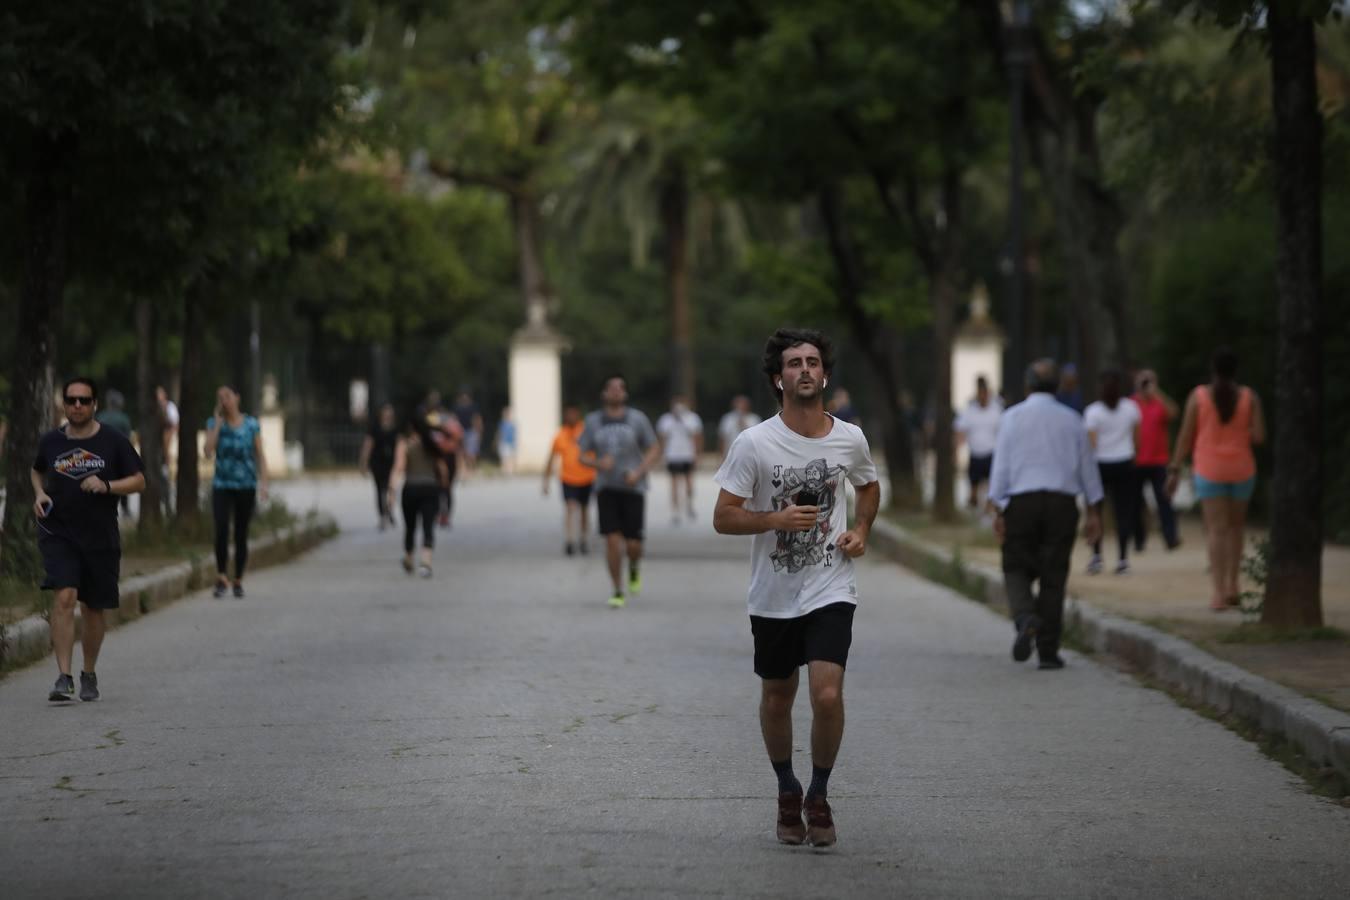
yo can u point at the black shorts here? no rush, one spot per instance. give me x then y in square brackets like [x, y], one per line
[782, 645]
[577, 493]
[621, 512]
[93, 573]
[980, 468]
[680, 468]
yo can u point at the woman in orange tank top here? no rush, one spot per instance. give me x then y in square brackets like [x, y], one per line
[1222, 421]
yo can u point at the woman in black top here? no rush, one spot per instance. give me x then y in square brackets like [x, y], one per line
[377, 455]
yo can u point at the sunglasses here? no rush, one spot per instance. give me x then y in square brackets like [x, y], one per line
[79, 401]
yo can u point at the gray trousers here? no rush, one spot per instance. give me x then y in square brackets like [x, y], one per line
[1039, 531]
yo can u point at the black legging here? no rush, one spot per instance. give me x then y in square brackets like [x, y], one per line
[1119, 484]
[225, 501]
[381, 474]
[420, 500]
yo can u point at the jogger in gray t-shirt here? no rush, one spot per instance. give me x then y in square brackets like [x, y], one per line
[620, 444]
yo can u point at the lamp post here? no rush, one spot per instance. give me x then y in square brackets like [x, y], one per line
[1017, 28]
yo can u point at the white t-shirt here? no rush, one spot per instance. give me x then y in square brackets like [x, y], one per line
[733, 423]
[793, 573]
[171, 417]
[1114, 429]
[980, 426]
[677, 435]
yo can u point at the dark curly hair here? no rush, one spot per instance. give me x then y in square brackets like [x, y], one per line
[787, 338]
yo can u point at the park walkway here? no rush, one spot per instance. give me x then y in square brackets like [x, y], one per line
[349, 732]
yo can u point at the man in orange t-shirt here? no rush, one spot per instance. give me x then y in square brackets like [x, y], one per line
[577, 480]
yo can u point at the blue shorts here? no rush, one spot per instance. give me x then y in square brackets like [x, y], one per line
[1232, 490]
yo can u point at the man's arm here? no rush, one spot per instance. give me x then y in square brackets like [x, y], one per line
[731, 517]
[854, 541]
[40, 498]
[1001, 476]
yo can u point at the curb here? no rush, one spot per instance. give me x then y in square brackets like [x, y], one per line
[1321, 733]
[29, 640]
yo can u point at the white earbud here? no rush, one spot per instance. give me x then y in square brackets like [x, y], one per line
[825, 382]
[780, 384]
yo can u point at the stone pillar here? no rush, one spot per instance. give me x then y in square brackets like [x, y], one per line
[536, 390]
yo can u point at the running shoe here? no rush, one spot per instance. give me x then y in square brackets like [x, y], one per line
[63, 690]
[1123, 567]
[1051, 661]
[424, 570]
[88, 686]
[634, 583]
[1094, 565]
[617, 601]
[569, 549]
[790, 827]
[408, 566]
[1026, 635]
[220, 591]
[819, 823]
[239, 591]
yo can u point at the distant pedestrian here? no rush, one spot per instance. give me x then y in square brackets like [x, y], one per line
[506, 442]
[977, 424]
[1069, 393]
[1042, 463]
[422, 468]
[734, 421]
[471, 423]
[621, 445]
[235, 441]
[169, 420]
[112, 413]
[1113, 430]
[577, 481]
[78, 474]
[681, 433]
[841, 407]
[1156, 410]
[1222, 421]
[784, 482]
[377, 457]
[448, 435]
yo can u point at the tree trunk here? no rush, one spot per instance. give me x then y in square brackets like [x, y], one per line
[1294, 584]
[675, 224]
[534, 287]
[880, 346]
[151, 429]
[943, 293]
[189, 407]
[46, 210]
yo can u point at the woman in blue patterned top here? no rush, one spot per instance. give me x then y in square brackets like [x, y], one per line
[235, 440]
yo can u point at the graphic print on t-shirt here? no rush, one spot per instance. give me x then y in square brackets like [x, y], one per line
[796, 550]
[78, 464]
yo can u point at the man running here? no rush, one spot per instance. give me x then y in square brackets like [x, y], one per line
[681, 434]
[783, 482]
[79, 473]
[577, 481]
[620, 444]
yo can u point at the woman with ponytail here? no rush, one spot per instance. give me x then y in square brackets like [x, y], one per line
[1222, 421]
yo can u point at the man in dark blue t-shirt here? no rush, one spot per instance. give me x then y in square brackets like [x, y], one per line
[78, 474]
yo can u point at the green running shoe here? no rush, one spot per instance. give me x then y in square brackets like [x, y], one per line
[634, 583]
[617, 601]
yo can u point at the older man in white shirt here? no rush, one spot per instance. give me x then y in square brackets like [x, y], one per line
[1042, 463]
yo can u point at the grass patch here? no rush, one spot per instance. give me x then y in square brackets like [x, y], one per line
[1256, 633]
[1323, 781]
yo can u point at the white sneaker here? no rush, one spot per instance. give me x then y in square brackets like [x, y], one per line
[1094, 565]
[1123, 567]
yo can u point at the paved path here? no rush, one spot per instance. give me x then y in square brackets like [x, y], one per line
[348, 732]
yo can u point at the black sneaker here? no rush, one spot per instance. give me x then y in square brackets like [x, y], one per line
[570, 549]
[220, 591]
[63, 691]
[1051, 661]
[239, 591]
[88, 686]
[1026, 636]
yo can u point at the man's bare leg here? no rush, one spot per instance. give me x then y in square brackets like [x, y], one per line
[775, 715]
[614, 556]
[827, 707]
[63, 627]
[92, 630]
